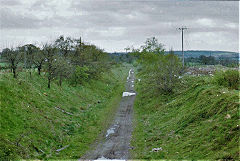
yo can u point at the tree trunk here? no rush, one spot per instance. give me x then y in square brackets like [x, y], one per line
[14, 72]
[49, 82]
[60, 81]
[39, 70]
[30, 72]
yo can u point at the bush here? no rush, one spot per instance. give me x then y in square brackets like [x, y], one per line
[79, 75]
[158, 70]
[167, 73]
[229, 79]
[95, 70]
[163, 73]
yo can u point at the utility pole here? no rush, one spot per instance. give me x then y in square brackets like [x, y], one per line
[182, 29]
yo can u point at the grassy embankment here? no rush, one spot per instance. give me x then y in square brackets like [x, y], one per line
[32, 122]
[199, 121]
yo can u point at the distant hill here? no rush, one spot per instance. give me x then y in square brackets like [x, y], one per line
[118, 53]
[197, 53]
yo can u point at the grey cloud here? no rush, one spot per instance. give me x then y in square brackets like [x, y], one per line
[10, 2]
[13, 20]
[150, 15]
[41, 5]
[9, 19]
[126, 21]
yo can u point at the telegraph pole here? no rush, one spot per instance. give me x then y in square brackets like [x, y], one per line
[182, 29]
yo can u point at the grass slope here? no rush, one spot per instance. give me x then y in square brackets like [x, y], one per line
[31, 126]
[200, 121]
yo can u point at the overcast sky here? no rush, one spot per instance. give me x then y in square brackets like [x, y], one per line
[116, 24]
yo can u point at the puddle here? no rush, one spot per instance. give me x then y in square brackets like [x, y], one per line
[125, 94]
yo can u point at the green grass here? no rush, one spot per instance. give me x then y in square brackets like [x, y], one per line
[32, 128]
[199, 121]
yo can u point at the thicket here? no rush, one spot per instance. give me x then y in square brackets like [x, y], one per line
[64, 59]
[160, 71]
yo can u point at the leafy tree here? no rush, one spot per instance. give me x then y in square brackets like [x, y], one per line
[90, 56]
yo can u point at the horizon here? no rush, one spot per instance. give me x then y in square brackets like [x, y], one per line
[185, 51]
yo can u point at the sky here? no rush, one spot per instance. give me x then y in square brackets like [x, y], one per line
[114, 25]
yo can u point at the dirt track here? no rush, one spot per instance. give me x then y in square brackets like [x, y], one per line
[115, 144]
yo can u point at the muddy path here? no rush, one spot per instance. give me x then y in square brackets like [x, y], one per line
[116, 142]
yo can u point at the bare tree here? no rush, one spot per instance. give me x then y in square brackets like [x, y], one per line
[29, 51]
[13, 57]
[39, 59]
[64, 45]
[50, 53]
[63, 69]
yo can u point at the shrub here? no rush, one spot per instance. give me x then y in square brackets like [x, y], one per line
[167, 73]
[229, 79]
[95, 70]
[158, 70]
[163, 73]
[79, 75]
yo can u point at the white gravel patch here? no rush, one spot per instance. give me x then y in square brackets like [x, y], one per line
[110, 131]
[103, 158]
[126, 94]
